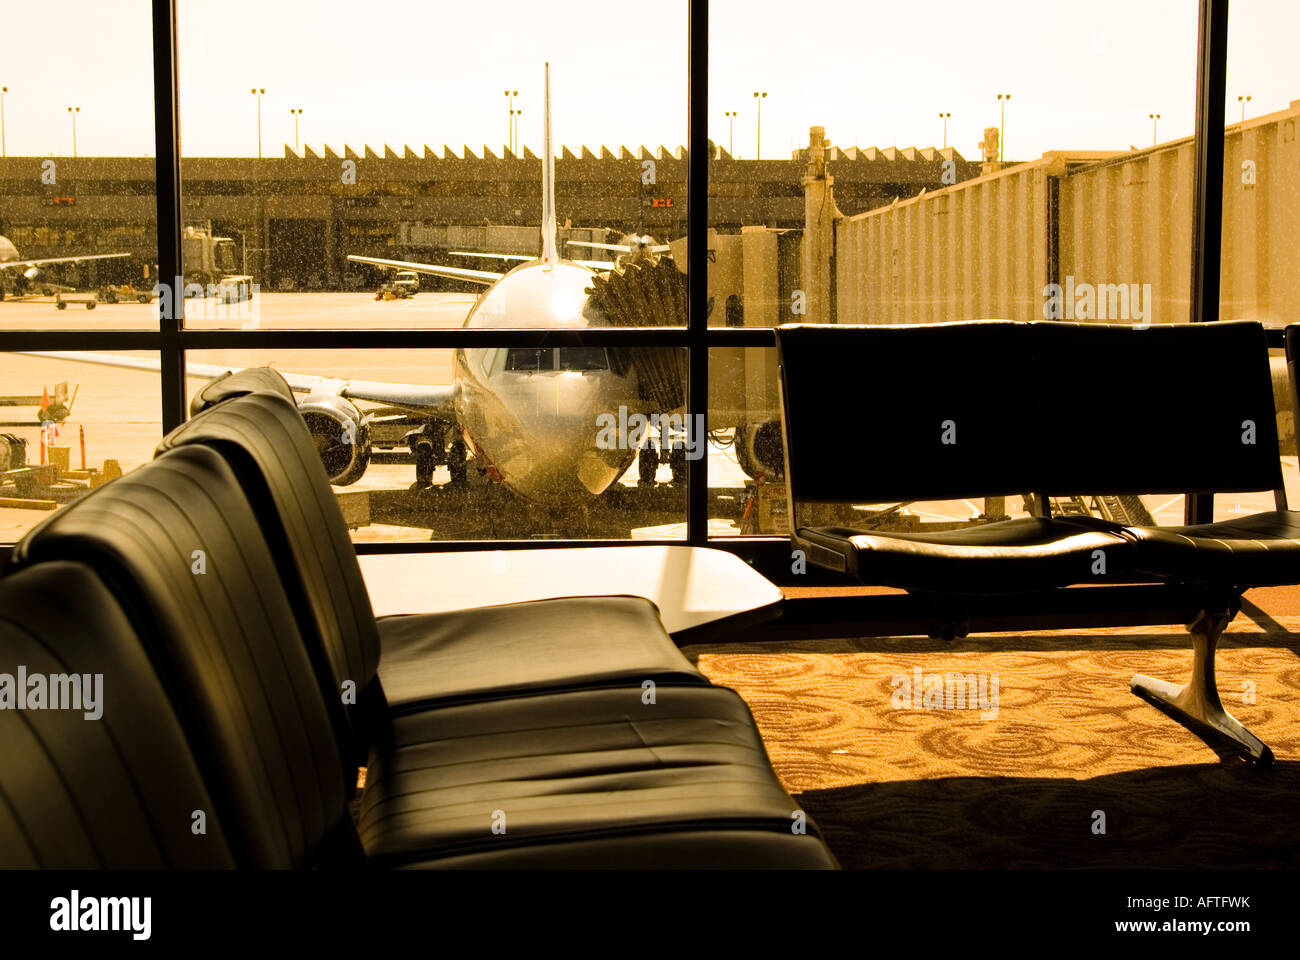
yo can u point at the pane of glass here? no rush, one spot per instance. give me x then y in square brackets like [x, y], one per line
[1002, 179]
[1261, 200]
[486, 444]
[431, 164]
[69, 423]
[78, 224]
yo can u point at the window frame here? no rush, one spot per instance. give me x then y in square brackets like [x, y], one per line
[172, 340]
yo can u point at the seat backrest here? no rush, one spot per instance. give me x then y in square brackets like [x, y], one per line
[237, 384]
[96, 773]
[265, 441]
[993, 408]
[179, 546]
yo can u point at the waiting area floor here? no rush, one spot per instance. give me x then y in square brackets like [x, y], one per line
[895, 785]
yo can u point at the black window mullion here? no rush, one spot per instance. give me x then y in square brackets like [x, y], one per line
[697, 265]
[1207, 196]
[167, 146]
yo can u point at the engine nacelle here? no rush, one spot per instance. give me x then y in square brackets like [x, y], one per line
[33, 274]
[760, 449]
[342, 436]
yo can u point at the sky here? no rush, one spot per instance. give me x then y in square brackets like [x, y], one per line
[1081, 76]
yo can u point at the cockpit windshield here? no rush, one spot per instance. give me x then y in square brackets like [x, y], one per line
[535, 360]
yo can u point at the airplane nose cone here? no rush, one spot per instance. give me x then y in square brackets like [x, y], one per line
[557, 452]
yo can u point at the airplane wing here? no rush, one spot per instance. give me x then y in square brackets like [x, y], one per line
[617, 247]
[435, 399]
[27, 264]
[486, 277]
[589, 264]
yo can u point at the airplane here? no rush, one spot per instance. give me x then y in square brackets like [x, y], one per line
[530, 416]
[21, 283]
[633, 248]
[601, 265]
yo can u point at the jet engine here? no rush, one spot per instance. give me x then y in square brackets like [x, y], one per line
[342, 436]
[33, 274]
[759, 448]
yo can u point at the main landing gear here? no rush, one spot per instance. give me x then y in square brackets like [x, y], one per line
[649, 458]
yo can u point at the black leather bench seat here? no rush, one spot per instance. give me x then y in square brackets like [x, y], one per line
[422, 658]
[491, 652]
[572, 765]
[1256, 551]
[1097, 411]
[1008, 556]
[264, 717]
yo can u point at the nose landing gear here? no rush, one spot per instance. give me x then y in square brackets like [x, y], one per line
[430, 449]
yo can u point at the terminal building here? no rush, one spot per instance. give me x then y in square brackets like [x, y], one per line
[296, 218]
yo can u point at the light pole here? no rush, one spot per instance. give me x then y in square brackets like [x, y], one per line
[514, 132]
[944, 117]
[297, 112]
[731, 132]
[510, 117]
[74, 111]
[257, 92]
[1243, 101]
[1155, 125]
[1002, 131]
[3, 91]
[759, 97]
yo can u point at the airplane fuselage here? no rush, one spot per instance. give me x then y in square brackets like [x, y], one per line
[13, 282]
[532, 415]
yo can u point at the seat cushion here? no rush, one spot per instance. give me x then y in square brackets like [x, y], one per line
[1009, 556]
[1262, 549]
[515, 648]
[569, 767]
[673, 850]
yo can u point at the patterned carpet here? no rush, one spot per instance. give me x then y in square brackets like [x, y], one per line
[895, 785]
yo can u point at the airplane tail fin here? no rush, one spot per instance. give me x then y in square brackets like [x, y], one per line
[549, 252]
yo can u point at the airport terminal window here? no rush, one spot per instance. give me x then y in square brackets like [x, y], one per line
[1260, 194]
[1013, 190]
[76, 164]
[430, 147]
[71, 423]
[1013, 197]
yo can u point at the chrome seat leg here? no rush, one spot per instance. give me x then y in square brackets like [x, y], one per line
[1196, 703]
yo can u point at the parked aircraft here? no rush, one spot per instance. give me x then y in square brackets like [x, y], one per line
[633, 247]
[20, 278]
